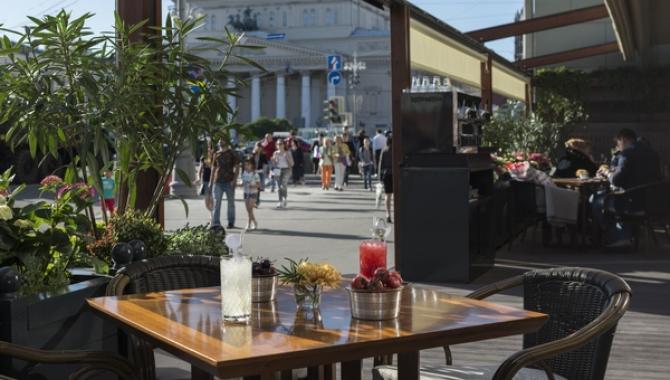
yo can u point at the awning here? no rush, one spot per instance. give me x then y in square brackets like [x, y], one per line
[641, 27]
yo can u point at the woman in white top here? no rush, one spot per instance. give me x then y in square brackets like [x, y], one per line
[282, 162]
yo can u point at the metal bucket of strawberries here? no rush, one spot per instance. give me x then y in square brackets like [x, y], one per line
[378, 298]
[263, 281]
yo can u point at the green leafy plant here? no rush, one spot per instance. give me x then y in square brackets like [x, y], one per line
[198, 240]
[42, 239]
[60, 92]
[133, 225]
[259, 128]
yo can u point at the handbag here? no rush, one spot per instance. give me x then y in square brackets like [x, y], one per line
[209, 202]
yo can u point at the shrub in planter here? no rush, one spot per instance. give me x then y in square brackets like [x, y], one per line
[198, 240]
[133, 225]
[41, 240]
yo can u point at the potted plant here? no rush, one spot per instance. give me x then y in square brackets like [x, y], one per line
[39, 243]
[378, 298]
[308, 280]
[197, 240]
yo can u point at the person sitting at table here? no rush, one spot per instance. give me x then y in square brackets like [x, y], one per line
[577, 156]
[634, 164]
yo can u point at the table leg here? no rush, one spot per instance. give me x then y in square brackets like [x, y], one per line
[287, 374]
[351, 370]
[408, 365]
[264, 376]
[199, 374]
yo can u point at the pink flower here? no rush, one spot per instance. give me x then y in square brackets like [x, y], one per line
[51, 180]
[81, 189]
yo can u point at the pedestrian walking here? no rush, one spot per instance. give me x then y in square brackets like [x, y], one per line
[378, 145]
[251, 182]
[351, 163]
[205, 172]
[316, 153]
[341, 156]
[282, 162]
[108, 192]
[327, 162]
[298, 170]
[261, 165]
[269, 148]
[225, 170]
[386, 175]
[366, 163]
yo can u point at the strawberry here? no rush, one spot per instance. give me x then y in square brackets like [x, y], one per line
[381, 274]
[360, 282]
[394, 280]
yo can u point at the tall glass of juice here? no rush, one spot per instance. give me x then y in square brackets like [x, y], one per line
[372, 255]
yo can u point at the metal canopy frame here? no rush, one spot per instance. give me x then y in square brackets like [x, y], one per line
[538, 24]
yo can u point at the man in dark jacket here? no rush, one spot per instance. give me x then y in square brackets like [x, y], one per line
[636, 164]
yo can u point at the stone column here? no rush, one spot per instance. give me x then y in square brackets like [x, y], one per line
[185, 163]
[306, 99]
[255, 97]
[232, 100]
[281, 96]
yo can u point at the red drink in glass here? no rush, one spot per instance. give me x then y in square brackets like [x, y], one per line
[372, 254]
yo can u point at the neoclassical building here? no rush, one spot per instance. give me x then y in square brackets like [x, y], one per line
[298, 36]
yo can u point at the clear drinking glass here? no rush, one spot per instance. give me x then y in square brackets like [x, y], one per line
[236, 288]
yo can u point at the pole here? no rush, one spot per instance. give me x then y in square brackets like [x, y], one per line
[132, 12]
[400, 80]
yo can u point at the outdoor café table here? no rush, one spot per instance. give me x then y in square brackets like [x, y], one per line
[586, 188]
[187, 323]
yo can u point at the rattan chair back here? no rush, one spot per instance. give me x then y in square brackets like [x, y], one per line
[573, 298]
[166, 273]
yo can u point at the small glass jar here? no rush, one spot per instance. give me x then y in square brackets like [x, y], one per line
[307, 296]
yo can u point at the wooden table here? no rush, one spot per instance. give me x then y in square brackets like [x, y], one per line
[586, 188]
[187, 323]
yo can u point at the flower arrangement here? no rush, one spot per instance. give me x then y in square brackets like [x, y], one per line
[308, 279]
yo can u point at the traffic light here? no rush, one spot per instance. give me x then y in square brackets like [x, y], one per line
[333, 110]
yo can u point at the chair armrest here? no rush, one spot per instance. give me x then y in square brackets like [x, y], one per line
[93, 359]
[606, 321]
[496, 287]
[484, 292]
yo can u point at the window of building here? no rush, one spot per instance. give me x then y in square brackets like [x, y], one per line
[272, 22]
[309, 17]
[284, 19]
[331, 16]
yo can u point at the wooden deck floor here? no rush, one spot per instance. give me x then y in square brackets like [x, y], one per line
[641, 346]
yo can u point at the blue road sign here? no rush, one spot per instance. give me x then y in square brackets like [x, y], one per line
[334, 63]
[334, 78]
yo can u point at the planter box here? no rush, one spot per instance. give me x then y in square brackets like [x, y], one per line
[54, 321]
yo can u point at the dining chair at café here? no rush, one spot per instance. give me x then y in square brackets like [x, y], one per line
[92, 363]
[584, 308]
[156, 275]
[641, 207]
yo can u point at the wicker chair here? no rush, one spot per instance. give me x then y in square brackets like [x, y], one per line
[156, 275]
[584, 307]
[642, 207]
[94, 362]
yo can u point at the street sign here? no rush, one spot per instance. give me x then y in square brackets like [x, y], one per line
[334, 78]
[275, 36]
[334, 63]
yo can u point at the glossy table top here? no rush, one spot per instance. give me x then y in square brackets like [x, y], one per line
[188, 323]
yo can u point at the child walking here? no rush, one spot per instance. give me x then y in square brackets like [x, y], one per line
[108, 202]
[251, 182]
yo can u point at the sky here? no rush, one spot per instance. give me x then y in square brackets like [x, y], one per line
[464, 15]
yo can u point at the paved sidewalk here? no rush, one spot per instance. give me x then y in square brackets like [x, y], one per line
[322, 225]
